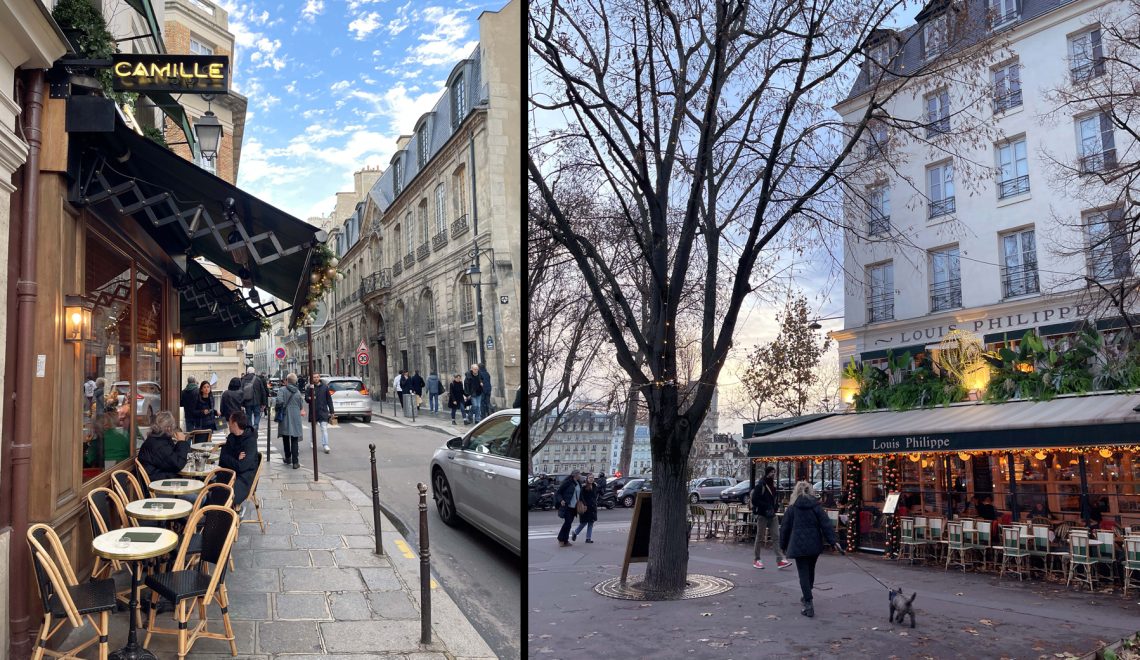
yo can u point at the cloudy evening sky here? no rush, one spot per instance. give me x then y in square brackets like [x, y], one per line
[332, 84]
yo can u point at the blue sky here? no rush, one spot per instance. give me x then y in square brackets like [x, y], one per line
[332, 84]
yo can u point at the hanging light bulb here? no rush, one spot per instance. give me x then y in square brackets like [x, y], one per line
[1105, 452]
[963, 456]
[1040, 455]
[914, 458]
[339, 277]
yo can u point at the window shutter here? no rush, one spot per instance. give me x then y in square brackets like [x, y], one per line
[944, 111]
[1097, 52]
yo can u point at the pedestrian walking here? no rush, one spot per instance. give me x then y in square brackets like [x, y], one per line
[567, 497]
[324, 408]
[202, 413]
[231, 398]
[100, 397]
[397, 386]
[456, 398]
[254, 397]
[473, 389]
[802, 536]
[289, 403]
[189, 397]
[587, 518]
[763, 499]
[434, 389]
[485, 400]
[89, 391]
[416, 387]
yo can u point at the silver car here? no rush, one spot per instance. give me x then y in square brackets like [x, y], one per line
[476, 478]
[708, 488]
[148, 399]
[349, 396]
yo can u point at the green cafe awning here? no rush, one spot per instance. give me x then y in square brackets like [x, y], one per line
[212, 312]
[1095, 419]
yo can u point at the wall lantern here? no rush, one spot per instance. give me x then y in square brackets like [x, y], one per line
[77, 319]
[177, 344]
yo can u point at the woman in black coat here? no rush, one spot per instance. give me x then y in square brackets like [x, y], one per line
[232, 399]
[587, 519]
[803, 533]
[240, 454]
[456, 398]
[203, 414]
[163, 454]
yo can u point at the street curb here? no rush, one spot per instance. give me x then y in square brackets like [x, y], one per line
[402, 422]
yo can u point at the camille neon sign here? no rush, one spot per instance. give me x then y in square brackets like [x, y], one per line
[187, 74]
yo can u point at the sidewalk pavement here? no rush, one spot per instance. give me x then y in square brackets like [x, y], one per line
[973, 615]
[312, 587]
[440, 422]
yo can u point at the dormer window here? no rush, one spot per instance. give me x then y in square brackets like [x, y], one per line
[458, 100]
[1002, 12]
[934, 35]
[422, 145]
[397, 176]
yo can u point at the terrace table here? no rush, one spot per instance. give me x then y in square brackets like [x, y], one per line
[134, 544]
[177, 486]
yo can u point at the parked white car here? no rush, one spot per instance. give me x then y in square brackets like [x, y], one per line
[349, 397]
[148, 399]
[708, 488]
[477, 478]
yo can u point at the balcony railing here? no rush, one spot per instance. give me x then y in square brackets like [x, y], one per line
[878, 224]
[377, 281]
[1088, 70]
[941, 207]
[439, 241]
[1104, 266]
[397, 269]
[1019, 280]
[998, 19]
[460, 226]
[423, 251]
[1102, 162]
[945, 295]
[880, 307]
[409, 259]
[876, 148]
[1006, 100]
[938, 126]
[1013, 187]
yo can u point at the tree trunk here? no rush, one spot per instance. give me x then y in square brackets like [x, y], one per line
[630, 427]
[669, 539]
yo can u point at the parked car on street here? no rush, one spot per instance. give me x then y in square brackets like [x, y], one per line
[350, 397]
[629, 492]
[475, 478]
[828, 485]
[148, 399]
[741, 493]
[708, 488]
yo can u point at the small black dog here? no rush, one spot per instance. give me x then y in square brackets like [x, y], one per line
[901, 606]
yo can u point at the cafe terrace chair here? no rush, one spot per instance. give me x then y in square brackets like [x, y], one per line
[195, 588]
[698, 518]
[1105, 551]
[222, 476]
[143, 477]
[107, 514]
[1039, 547]
[1013, 550]
[1131, 561]
[955, 545]
[983, 541]
[221, 495]
[64, 598]
[1079, 557]
[907, 541]
[252, 497]
[126, 486]
[937, 540]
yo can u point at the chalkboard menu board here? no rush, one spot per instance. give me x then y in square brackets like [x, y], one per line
[637, 547]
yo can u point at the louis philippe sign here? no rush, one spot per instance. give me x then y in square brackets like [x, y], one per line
[185, 74]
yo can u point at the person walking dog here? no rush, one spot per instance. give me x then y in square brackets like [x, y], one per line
[763, 500]
[802, 536]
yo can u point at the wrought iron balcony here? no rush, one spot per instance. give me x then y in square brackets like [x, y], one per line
[1006, 100]
[439, 241]
[409, 259]
[941, 207]
[1102, 162]
[945, 295]
[1019, 280]
[880, 307]
[377, 281]
[878, 224]
[423, 251]
[938, 126]
[460, 226]
[1013, 187]
[1088, 70]
[1104, 266]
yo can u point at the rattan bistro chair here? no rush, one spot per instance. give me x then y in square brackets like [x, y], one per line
[252, 497]
[189, 589]
[107, 514]
[64, 598]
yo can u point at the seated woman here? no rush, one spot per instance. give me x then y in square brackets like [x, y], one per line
[240, 455]
[163, 453]
[1040, 510]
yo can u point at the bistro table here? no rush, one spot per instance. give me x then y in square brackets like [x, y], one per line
[177, 486]
[189, 471]
[134, 544]
[210, 446]
[159, 508]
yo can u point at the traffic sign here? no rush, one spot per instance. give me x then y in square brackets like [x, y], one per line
[362, 358]
[280, 353]
[362, 348]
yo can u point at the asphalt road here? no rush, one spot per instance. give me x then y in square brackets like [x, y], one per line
[482, 577]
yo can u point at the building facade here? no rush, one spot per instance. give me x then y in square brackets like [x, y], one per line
[641, 458]
[583, 441]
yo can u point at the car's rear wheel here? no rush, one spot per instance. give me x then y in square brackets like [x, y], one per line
[694, 498]
[609, 505]
[444, 502]
[367, 419]
[627, 501]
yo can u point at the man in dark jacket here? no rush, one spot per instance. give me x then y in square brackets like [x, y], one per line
[763, 499]
[485, 400]
[240, 455]
[803, 533]
[567, 500]
[473, 389]
[416, 387]
[254, 396]
[324, 408]
[189, 398]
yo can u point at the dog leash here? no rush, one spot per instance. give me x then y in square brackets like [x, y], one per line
[844, 553]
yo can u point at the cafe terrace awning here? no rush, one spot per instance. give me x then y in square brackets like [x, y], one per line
[1105, 419]
[212, 312]
[185, 209]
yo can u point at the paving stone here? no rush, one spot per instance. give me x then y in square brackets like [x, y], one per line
[260, 580]
[427, 656]
[324, 517]
[350, 606]
[300, 607]
[321, 485]
[166, 646]
[392, 605]
[346, 529]
[267, 542]
[322, 557]
[365, 636]
[288, 636]
[277, 515]
[317, 542]
[360, 541]
[334, 495]
[282, 558]
[296, 495]
[304, 485]
[323, 579]
[380, 579]
[359, 557]
[247, 604]
[344, 656]
[278, 528]
[274, 503]
[324, 505]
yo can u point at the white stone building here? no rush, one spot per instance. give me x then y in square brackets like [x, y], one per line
[583, 442]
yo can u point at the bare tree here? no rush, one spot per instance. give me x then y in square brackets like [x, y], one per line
[782, 375]
[707, 126]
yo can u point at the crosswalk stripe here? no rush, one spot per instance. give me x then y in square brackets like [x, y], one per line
[389, 425]
[361, 426]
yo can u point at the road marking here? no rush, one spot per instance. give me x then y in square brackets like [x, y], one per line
[360, 425]
[407, 552]
[389, 425]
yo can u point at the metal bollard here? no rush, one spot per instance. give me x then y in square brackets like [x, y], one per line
[376, 501]
[425, 571]
[268, 431]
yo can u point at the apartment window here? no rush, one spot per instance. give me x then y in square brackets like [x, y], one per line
[878, 59]
[945, 279]
[211, 347]
[880, 293]
[397, 176]
[424, 226]
[471, 352]
[440, 209]
[1007, 87]
[467, 302]
[1109, 256]
[458, 100]
[1019, 273]
[1097, 145]
[879, 215]
[877, 137]
[938, 113]
[1002, 12]
[1014, 169]
[422, 144]
[940, 179]
[934, 35]
[410, 233]
[199, 48]
[1086, 55]
[459, 191]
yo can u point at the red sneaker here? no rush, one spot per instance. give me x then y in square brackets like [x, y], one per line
[783, 563]
[757, 564]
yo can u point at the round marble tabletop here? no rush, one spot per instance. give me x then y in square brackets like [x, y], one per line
[176, 486]
[153, 541]
[159, 508]
[189, 471]
[213, 445]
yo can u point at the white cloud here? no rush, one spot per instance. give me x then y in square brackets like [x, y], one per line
[312, 10]
[443, 41]
[398, 106]
[266, 54]
[354, 5]
[401, 22]
[364, 25]
[339, 86]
